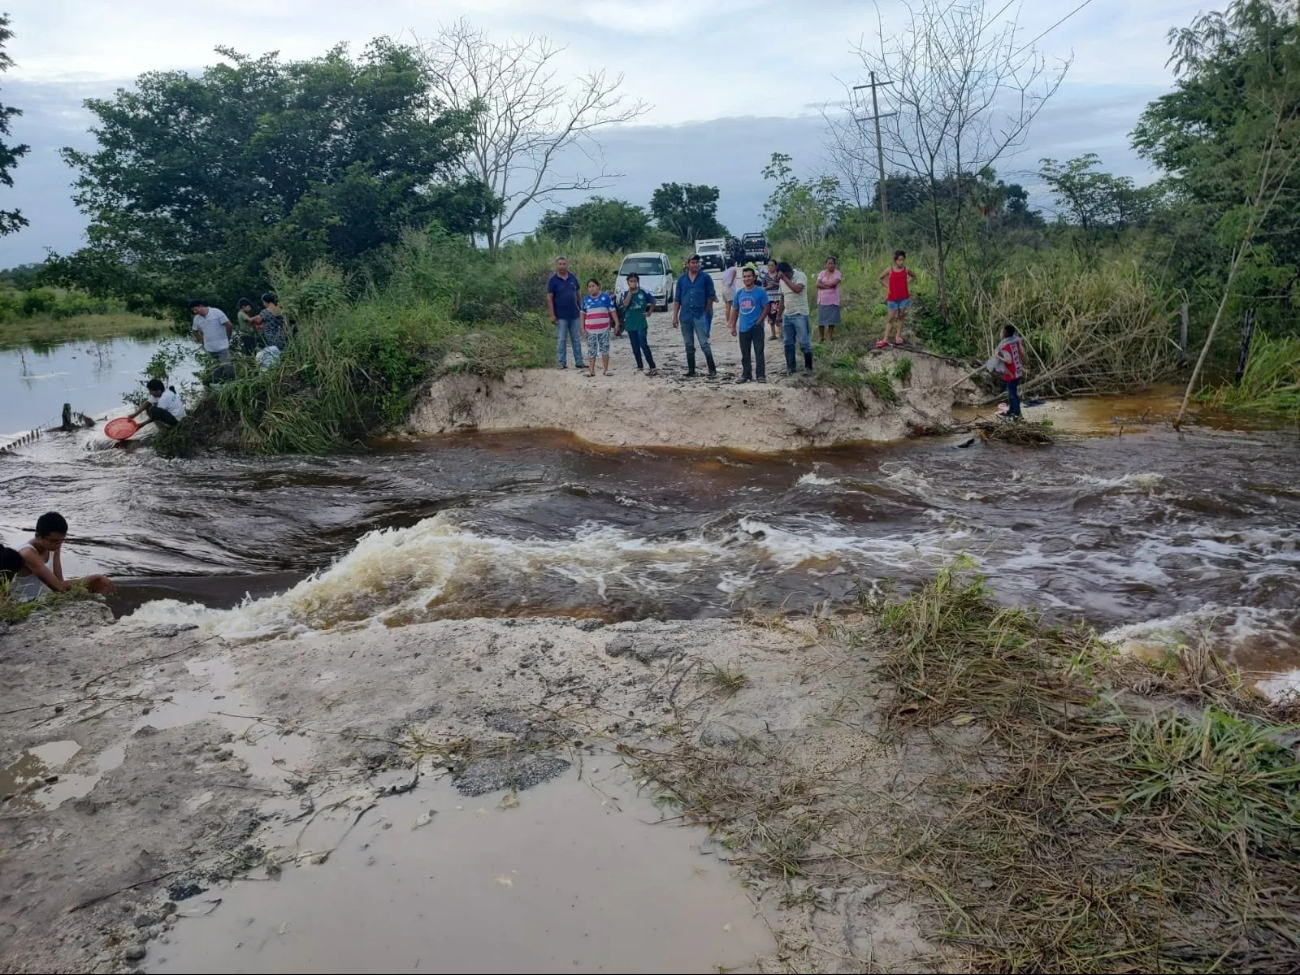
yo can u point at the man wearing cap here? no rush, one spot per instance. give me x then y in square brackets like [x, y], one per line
[692, 305]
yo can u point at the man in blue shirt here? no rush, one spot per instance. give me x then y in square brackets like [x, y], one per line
[562, 297]
[692, 307]
[748, 310]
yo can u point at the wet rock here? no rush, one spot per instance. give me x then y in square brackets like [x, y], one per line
[590, 626]
[375, 754]
[145, 920]
[135, 952]
[171, 919]
[426, 713]
[643, 647]
[516, 772]
[509, 722]
[718, 736]
[184, 890]
[146, 731]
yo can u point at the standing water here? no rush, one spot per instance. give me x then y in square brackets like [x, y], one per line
[91, 376]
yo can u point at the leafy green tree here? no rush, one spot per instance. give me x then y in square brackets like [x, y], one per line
[611, 225]
[198, 180]
[804, 211]
[687, 210]
[1094, 199]
[10, 220]
[1235, 107]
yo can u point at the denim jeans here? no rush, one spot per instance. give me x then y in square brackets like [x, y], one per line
[1013, 397]
[693, 330]
[640, 346]
[797, 326]
[570, 330]
[222, 368]
[754, 340]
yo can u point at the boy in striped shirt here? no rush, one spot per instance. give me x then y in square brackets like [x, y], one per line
[598, 316]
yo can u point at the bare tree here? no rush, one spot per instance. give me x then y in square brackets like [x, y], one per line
[527, 117]
[965, 90]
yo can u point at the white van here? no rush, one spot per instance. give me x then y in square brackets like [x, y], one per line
[655, 272]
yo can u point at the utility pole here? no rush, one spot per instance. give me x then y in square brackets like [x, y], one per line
[880, 146]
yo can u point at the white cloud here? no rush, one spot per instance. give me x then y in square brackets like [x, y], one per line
[690, 62]
[727, 90]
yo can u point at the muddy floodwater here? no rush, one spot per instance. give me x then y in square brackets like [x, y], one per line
[1148, 531]
[567, 877]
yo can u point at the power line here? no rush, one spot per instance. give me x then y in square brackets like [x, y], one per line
[1054, 26]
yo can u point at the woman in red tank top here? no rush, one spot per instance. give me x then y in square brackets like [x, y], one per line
[898, 297]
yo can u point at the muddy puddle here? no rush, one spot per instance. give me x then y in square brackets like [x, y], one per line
[575, 875]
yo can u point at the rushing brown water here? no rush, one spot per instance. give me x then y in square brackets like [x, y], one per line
[1197, 531]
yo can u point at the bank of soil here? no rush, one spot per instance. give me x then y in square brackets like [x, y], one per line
[629, 409]
[182, 760]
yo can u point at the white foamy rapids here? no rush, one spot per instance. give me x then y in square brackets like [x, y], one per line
[393, 576]
[816, 480]
[1250, 636]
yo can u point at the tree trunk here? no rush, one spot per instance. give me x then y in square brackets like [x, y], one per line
[1209, 339]
[940, 256]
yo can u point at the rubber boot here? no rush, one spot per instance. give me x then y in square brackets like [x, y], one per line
[713, 370]
[807, 361]
[789, 362]
[690, 362]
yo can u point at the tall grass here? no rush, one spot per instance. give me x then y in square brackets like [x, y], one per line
[362, 352]
[1098, 328]
[1271, 381]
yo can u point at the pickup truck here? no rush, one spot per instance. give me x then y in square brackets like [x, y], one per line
[754, 248]
[713, 253]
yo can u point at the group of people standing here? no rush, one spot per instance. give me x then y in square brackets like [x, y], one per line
[777, 294]
[779, 297]
[261, 333]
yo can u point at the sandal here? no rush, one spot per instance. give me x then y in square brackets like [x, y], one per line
[899, 340]
[882, 344]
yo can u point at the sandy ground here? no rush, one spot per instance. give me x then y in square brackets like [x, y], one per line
[167, 762]
[634, 410]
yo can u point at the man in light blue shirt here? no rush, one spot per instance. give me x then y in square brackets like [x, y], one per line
[692, 305]
[748, 311]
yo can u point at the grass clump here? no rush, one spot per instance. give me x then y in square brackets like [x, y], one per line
[728, 680]
[13, 612]
[358, 362]
[1022, 433]
[903, 369]
[1100, 838]
[1270, 382]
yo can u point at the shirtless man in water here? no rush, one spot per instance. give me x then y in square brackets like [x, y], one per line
[42, 570]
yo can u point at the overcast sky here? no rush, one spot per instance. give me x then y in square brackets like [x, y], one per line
[717, 112]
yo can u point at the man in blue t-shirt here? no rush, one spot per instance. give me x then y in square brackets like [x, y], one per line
[692, 308]
[562, 298]
[748, 310]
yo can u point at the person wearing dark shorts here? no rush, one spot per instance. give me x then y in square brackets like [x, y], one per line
[164, 406]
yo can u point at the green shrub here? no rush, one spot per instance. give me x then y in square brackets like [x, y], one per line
[39, 301]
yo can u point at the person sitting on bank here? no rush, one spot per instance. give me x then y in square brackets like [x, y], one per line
[163, 406]
[42, 570]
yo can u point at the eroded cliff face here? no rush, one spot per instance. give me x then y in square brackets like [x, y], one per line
[628, 409]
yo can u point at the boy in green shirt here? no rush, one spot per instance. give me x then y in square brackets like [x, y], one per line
[634, 308]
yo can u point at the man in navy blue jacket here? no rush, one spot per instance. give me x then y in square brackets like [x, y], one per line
[692, 305]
